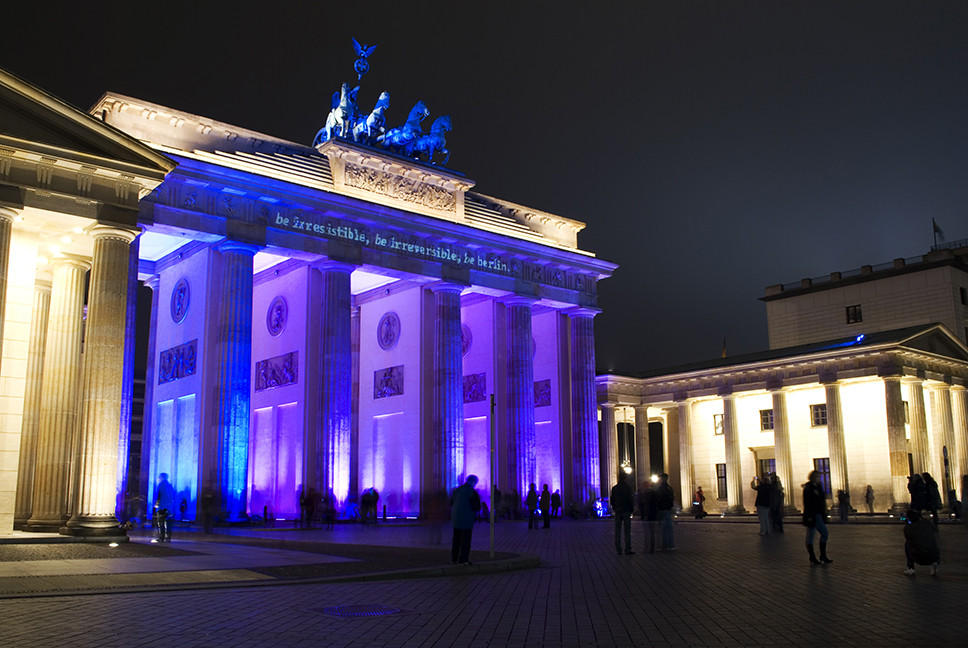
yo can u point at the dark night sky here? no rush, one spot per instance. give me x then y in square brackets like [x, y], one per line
[712, 148]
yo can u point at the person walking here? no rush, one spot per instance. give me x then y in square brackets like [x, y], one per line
[532, 502]
[920, 543]
[699, 503]
[815, 516]
[777, 498]
[869, 499]
[464, 505]
[544, 503]
[762, 504]
[164, 507]
[664, 501]
[622, 502]
[555, 504]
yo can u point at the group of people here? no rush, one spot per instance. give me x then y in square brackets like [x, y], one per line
[545, 504]
[769, 503]
[656, 502]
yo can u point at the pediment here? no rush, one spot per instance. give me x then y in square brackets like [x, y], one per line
[937, 340]
[31, 118]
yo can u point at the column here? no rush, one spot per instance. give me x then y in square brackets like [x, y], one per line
[836, 444]
[151, 379]
[608, 449]
[449, 389]
[6, 224]
[127, 379]
[353, 494]
[104, 342]
[781, 446]
[334, 433]
[643, 457]
[897, 445]
[58, 400]
[919, 426]
[233, 377]
[520, 405]
[959, 411]
[32, 396]
[584, 409]
[734, 465]
[687, 474]
[949, 457]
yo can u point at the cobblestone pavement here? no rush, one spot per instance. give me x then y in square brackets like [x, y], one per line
[724, 586]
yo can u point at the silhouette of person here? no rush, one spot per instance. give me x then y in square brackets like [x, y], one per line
[164, 507]
[464, 505]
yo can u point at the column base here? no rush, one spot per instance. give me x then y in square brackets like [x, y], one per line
[791, 510]
[93, 526]
[899, 508]
[52, 525]
[735, 510]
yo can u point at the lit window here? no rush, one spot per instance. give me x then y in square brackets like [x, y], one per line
[721, 481]
[907, 415]
[854, 315]
[717, 424]
[822, 466]
[766, 420]
[818, 415]
[767, 467]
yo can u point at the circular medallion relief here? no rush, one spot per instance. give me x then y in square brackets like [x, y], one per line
[388, 331]
[276, 315]
[179, 300]
[466, 339]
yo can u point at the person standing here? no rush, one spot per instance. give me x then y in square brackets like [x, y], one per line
[699, 503]
[622, 502]
[532, 501]
[544, 503]
[464, 505]
[869, 499]
[776, 502]
[164, 507]
[762, 504]
[933, 496]
[815, 516]
[649, 512]
[555, 504]
[920, 543]
[664, 501]
[843, 505]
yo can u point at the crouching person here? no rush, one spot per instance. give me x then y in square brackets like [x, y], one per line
[920, 543]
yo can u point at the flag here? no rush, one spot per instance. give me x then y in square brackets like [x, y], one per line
[937, 230]
[724, 347]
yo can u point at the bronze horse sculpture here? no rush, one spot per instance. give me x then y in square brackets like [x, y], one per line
[403, 138]
[368, 128]
[341, 118]
[435, 141]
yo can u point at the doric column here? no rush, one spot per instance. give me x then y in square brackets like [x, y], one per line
[151, 378]
[734, 465]
[643, 458]
[58, 401]
[919, 426]
[946, 434]
[127, 378]
[449, 389]
[687, 475]
[608, 448]
[104, 341]
[959, 412]
[233, 377]
[32, 395]
[353, 494]
[782, 450]
[6, 224]
[897, 445]
[584, 409]
[836, 444]
[333, 434]
[520, 404]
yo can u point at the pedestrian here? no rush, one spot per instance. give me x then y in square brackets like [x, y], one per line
[649, 511]
[664, 501]
[555, 504]
[532, 502]
[843, 505]
[815, 516]
[544, 503]
[919, 492]
[920, 543]
[762, 504]
[933, 500]
[777, 497]
[183, 508]
[464, 505]
[329, 510]
[164, 507]
[869, 499]
[208, 509]
[622, 502]
[699, 503]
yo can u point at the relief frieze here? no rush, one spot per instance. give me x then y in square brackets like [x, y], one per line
[277, 372]
[399, 188]
[177, 362]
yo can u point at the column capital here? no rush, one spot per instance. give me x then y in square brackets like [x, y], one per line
[725, 392]
[43, 285]
[329, 265]
[79, 262]
[446, 287]
[643, 407]
[153, 282]
[582, 311]
[828, 378]
[518, 300]
[110, 232]
[775, 385]
[607, 405]
[8, 214]
[229, 245]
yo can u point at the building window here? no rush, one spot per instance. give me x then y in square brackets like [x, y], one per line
[964, 296]
[767, 466]
[717, 424]
[854, 315]
[822, 466]
[818, 415]
[907, 415]
[766, 420]
[721, 481]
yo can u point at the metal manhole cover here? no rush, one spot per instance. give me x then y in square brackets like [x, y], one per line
[360, 610]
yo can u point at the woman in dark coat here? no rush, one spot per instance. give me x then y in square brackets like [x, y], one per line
[815, 516]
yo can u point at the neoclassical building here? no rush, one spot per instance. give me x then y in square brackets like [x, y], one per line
[840, 391]
[334, 317]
